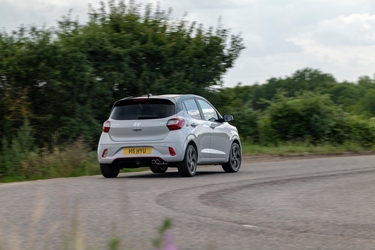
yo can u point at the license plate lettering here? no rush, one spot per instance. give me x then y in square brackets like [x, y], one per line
[140, 151]
[137, 151]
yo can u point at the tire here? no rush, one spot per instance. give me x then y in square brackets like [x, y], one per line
[188, 167]
[158, 169]
[109, 170]
[234, 161]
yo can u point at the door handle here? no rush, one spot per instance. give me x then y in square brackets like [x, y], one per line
[213, 125]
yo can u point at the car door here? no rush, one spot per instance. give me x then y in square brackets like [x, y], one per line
[220, 138]
[200, 128]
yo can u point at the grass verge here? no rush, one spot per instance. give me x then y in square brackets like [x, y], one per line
[76, 159]
[62, 161]
[301, 148]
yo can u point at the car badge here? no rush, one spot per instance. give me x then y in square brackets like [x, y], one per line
[136, 124]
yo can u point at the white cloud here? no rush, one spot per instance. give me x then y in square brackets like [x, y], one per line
[341, 56]
[355, 29]
[14, 13]
[343, 46]
[335, 36]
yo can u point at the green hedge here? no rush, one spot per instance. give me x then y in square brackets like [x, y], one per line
[308, 117]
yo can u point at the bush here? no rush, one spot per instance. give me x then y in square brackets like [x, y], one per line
[355, 129]
[71, 160]
[313, 118]
[308, 116]
[22, 160]
[247, 122]
[16, 150]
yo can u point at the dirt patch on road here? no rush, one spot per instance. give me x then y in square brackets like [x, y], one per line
[299, 156]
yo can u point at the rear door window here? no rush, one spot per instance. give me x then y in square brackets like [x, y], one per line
[143, 109]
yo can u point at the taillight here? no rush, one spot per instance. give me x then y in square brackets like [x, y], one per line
[175, 123]
[106, 126]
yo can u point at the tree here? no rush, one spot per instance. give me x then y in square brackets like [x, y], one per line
[345, 94]
[366, 82]
[366, 104]
[157, 53]
[65, 80]
[302, 80]
[27, 60]
[308, 80]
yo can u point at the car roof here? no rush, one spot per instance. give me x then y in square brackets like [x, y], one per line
[176, 97]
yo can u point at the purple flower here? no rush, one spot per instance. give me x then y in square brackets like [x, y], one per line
[169, 245]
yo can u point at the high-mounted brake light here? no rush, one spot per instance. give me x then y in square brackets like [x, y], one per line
[142, 100]
[176, 123]
[106, 126]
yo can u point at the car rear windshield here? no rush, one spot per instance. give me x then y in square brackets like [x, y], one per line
[142, 109]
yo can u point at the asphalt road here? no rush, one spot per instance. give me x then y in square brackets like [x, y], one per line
[326, 203]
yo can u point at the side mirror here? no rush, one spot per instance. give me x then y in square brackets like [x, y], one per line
[228, 118]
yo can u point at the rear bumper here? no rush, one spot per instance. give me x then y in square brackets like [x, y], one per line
[159, 150]
[136, 162]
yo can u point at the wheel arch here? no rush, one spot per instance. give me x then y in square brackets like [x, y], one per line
[191, 139]
[194, 145]
[234, 140]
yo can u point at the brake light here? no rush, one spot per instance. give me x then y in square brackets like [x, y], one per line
[106, 126]
[175, 123]
[142, 100]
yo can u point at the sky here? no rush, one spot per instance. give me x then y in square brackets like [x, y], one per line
[281, 36]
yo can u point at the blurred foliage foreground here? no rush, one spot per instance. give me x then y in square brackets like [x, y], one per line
[57, 86]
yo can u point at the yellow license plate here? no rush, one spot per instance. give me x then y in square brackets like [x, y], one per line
[137, 151]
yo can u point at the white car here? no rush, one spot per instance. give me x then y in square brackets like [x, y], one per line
[164, 131]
